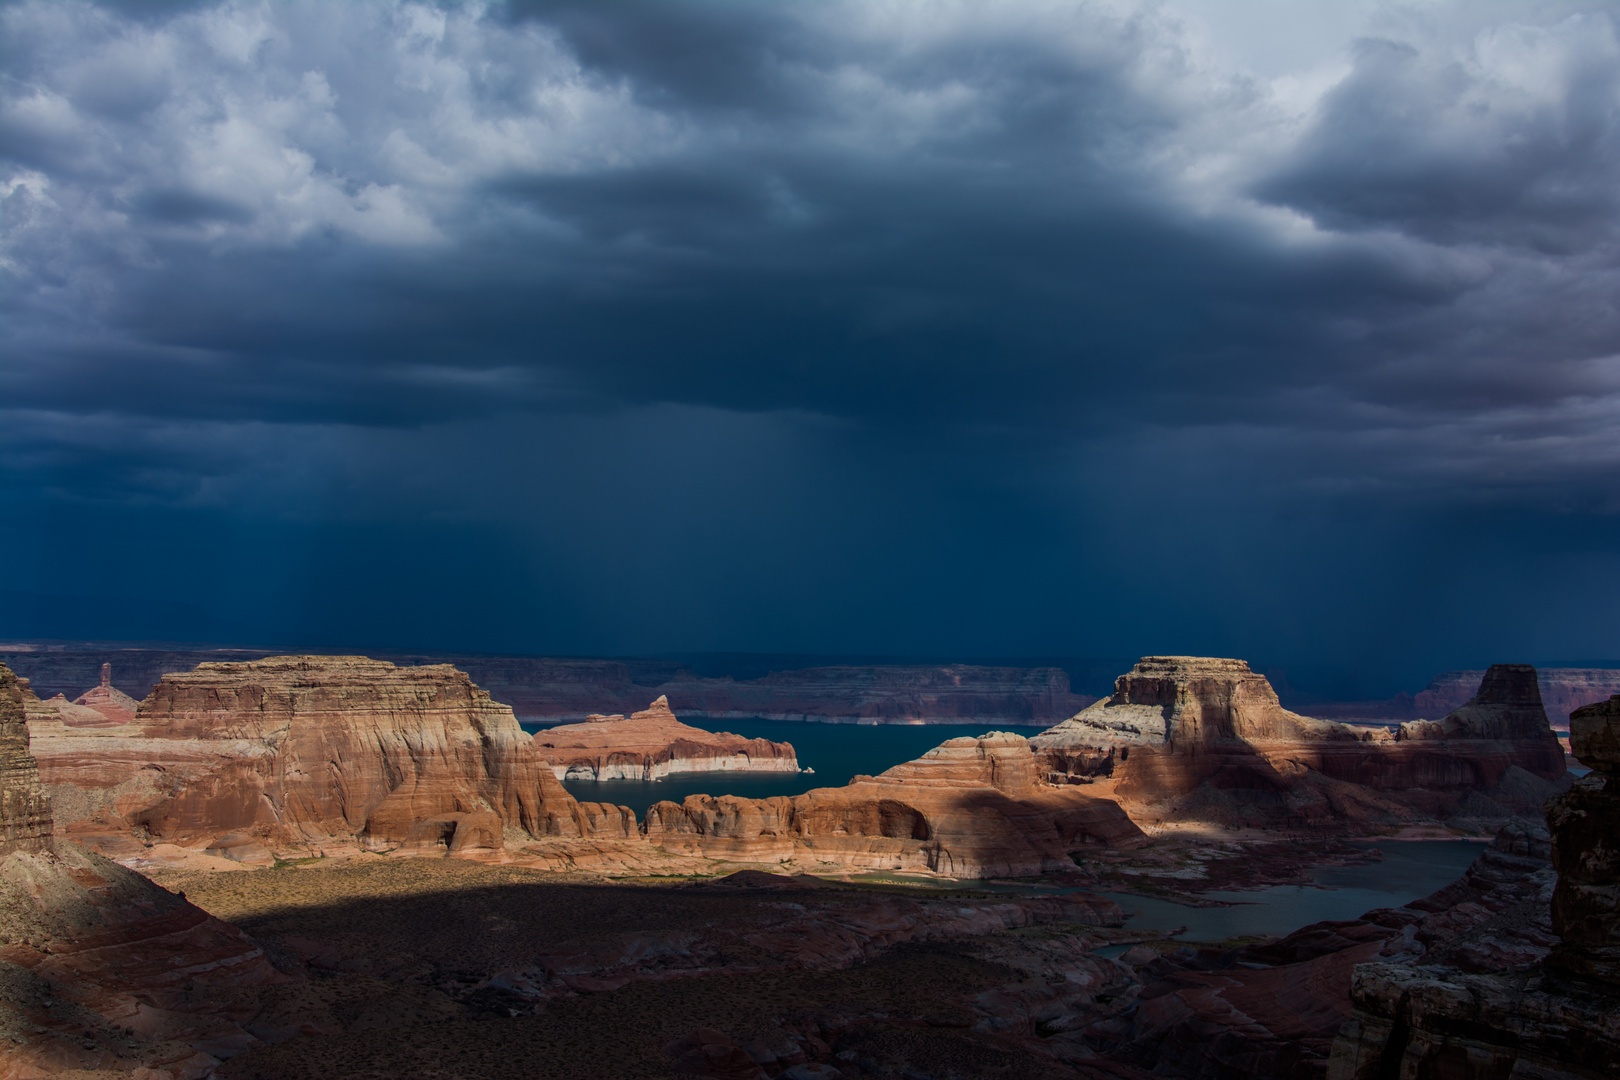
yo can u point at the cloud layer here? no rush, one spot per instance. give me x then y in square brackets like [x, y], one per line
[352, 266]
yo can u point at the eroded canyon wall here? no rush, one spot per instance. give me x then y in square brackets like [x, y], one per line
[300, 752]
[969, 808]
[550, 688]
[25, 807]
[1203, 738]
[100, 969]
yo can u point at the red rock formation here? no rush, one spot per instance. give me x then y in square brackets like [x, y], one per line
[1196, 738]
[25, 808]
[106, 699]
[651, 745]
[74, 715]
[100, 968]
[304, 751]
[566, 689]
[969, 808]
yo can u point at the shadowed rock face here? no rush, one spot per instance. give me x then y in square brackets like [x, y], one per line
[1586, 850]
[969, 807]
[1556, 1018]
[292, 752]
[99, 967]
[1197, 738]
[1563, 690]
[652, 744]
[25, 808]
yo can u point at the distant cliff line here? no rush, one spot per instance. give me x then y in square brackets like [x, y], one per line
[557, 689]
[568, 689]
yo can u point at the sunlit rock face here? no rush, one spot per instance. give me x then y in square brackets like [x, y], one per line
[1200, 738]
[652, 744]
[301, 751]
[99, 967]
[115, 706]
[970, 808]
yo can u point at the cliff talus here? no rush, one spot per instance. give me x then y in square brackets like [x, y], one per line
[653, 744]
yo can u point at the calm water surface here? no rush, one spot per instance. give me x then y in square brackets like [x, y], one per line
[838, 752]
[1410, 869]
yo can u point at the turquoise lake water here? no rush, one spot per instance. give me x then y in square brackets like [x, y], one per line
[1409, 870]
[837, 752]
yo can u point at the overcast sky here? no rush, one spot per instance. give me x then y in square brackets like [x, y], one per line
[1286, 330]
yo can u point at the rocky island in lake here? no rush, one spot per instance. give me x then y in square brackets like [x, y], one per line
[652, 744]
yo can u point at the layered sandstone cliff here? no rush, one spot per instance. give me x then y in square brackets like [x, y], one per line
[100, 969]
[547, 688]
[25, 808]
[968, 808]
[1199, 738]
[297, 753]
[653, 744]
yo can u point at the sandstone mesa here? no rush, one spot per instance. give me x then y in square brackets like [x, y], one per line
[306, 754]
[249, 760]
[1205, 739]
[652, 744]
[549, 688]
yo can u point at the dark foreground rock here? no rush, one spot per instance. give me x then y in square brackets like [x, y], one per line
[1552, 1018]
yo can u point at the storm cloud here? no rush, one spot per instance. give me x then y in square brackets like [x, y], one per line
[1061, 327]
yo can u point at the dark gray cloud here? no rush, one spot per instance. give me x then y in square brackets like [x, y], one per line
[1003, 296]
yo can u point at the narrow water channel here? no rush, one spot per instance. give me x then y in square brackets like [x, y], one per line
[1409, 871]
